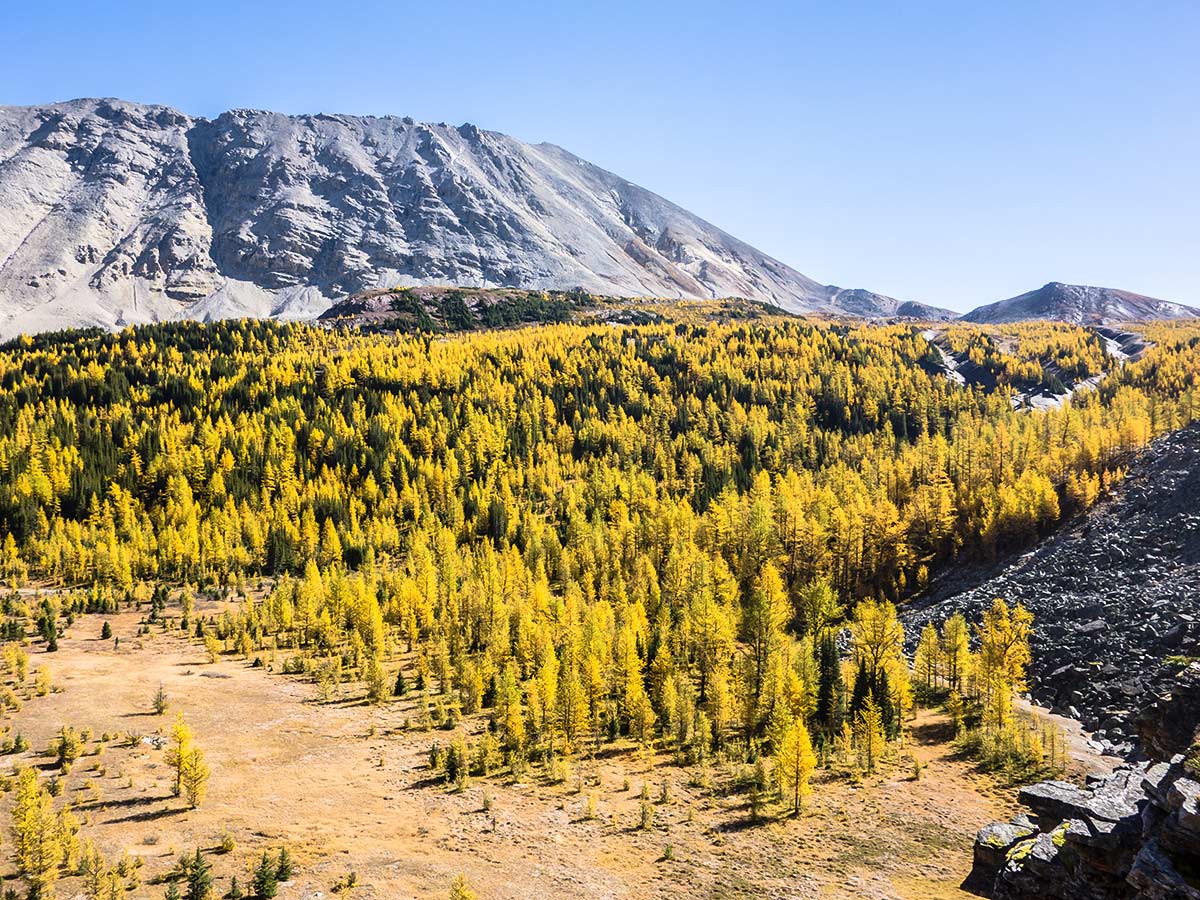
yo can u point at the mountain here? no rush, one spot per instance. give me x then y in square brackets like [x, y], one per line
[911, 309]
[1081, 305]
[857, 302]
[114, 213]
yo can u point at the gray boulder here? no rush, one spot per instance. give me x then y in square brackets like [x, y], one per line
[1133, 835]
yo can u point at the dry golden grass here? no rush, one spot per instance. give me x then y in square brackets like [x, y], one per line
[347, 789]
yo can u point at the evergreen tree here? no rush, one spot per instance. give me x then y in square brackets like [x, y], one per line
[830, 687]
[861, 691]
[199, 878]
[881, 693]
[266, 881]
[284, 870]
[160, 700]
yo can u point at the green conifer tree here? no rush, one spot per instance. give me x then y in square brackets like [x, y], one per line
[199, 878]
[266, 880]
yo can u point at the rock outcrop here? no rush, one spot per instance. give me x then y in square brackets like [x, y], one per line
[1168, 723]
[1132, 835]
[114, 212]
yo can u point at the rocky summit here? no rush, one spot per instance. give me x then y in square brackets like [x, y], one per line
[114, 213]
[1080, 304]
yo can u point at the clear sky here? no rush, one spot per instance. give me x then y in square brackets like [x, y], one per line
[955, 153]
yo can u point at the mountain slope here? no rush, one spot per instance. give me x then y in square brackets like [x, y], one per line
[1113, 594]
[114, 212]
[1079, 304]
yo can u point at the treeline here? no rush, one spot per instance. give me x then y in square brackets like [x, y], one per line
[438, 311]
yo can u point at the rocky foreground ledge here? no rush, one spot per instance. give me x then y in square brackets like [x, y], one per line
[1134, 834]
[1131, 835]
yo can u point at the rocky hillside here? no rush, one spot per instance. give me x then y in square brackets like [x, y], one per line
[442, 309]
[1114, 595]
[1117, 636]
[858, 302]
[1080, 305]
[431, 309]
[114, 212]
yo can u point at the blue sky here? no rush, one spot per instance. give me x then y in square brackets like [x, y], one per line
[955, 153]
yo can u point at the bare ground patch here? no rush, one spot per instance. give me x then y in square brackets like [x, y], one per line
[348, 789]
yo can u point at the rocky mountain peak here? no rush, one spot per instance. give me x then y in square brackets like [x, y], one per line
[1079, 304]
[114, 212]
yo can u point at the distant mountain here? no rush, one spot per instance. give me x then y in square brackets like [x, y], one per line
[114, 213]
[911, 309]
[857, 302]
[1080, 304]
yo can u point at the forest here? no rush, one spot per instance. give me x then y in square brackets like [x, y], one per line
[637, 467]
[589, 533]
[598, 457]
[669, 495]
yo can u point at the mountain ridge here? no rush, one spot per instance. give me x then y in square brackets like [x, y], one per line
[1078, 304]
[117, 212]
[114, 213]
